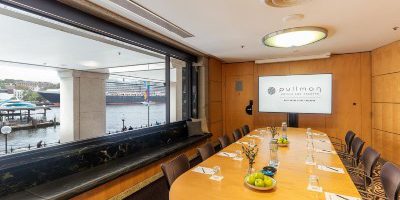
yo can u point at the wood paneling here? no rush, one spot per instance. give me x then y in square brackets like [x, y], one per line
[351, 94]
[214, 113]
[386, 59]
[235, 101]
[386, 101]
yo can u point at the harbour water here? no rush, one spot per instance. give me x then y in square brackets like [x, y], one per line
[136, 115]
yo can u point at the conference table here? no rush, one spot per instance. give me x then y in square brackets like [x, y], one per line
[292, 175]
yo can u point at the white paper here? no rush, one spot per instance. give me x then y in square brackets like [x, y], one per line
[238, 159]
[226, 154]
[314, 188]
[333, 196]
[330, 169]
[324, 141]
[325, 151]
[203, 170]
[319, 134]
[216, 178]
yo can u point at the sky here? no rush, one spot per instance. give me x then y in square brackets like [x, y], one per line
[28, 73]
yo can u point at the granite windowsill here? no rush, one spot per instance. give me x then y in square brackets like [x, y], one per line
[77, 183]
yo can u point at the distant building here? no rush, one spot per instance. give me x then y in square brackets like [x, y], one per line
[19, 94]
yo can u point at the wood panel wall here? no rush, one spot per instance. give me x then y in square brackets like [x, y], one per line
[386, 101]
[351, 94]
[234, 99]
[215, 98]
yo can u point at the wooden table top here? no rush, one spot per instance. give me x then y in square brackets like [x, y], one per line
[292, 176]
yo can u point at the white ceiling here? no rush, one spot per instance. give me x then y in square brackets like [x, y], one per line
[221, 27]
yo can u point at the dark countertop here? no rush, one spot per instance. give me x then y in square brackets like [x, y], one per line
[77, 183]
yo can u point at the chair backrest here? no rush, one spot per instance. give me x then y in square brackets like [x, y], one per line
[237, 135]
[224, 140]
[349, 139]
[356, 148]
[390, 178]
[206, 151]
[245, 129]
[174, 168]
[369, 159]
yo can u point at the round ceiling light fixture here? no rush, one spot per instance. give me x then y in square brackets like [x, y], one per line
[295, 37]
[283, 3]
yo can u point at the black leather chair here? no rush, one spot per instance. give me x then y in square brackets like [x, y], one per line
[362, 174]
[390, 178]
[224, 141]
[206, 151]
[173, 169]
[245, 129]
[344, 148]
[237, 135]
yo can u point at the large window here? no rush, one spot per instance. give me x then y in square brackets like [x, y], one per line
[83, 84]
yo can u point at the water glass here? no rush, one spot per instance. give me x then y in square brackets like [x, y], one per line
[313, 181]
[310, 146]
[217, 171]
[252, 142]
[238, 154]
[284, 130]
[273, 153]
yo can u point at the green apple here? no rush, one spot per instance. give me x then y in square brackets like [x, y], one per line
[259, 182]
[259, 175]
[267, 181]
[250, 180]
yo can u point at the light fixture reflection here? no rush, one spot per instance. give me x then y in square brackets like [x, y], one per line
[295, 37]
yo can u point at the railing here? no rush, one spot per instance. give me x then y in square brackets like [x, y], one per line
[21, 148]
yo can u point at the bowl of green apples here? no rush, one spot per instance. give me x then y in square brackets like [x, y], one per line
[283, 142]
[259, 181]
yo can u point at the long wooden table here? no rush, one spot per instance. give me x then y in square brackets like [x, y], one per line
[292, 176]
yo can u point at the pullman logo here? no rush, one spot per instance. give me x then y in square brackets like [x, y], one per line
[271, 90]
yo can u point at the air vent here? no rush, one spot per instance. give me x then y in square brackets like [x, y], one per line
[152, 17]
[283, 3]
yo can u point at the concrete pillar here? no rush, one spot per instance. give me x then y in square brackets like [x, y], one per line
[176, 94]
[82, 105]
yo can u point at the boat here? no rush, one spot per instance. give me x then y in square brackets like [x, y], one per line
[12, 104]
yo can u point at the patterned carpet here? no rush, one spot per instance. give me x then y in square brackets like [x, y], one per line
[375, 188]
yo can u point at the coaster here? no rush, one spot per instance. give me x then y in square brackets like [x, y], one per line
[314, 188]
[216, 178]
[311, 163]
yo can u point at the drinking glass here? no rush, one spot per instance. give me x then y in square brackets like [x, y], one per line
[238, 154]
[273, 153]
[313, 181]
[252, 143]
[284, 130]
[217, 171]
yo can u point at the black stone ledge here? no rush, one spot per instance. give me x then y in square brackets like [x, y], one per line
[75, 184]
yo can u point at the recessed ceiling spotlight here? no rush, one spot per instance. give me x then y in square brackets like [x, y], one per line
[293, 18]
[295, 37]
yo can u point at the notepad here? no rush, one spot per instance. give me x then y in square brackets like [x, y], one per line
[333, 196]
[324, 141]
[330, 169]
[226, 154]
[319, 134]
[203, 170]
[254, 136]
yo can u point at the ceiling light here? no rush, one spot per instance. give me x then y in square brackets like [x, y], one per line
[295, 37]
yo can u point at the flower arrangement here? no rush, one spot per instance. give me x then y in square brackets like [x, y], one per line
[251, 153]
[274, 131]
